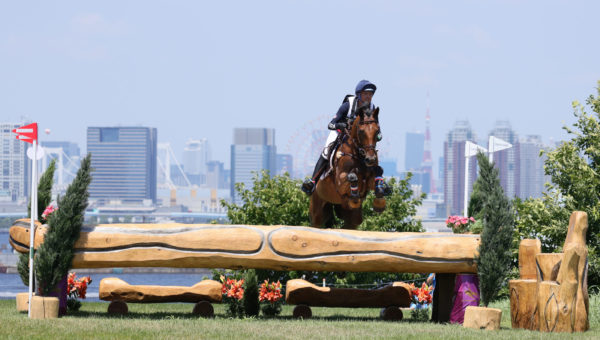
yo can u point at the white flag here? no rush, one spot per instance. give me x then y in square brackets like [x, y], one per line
[472, 148]
[497, 144]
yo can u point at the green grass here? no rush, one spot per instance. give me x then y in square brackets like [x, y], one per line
[175, 321]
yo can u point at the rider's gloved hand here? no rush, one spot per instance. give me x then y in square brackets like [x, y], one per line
[340, 126]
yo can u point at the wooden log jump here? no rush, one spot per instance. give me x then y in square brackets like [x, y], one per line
[263, 247]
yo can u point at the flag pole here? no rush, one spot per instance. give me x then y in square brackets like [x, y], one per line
[33, 217]
[466, 178]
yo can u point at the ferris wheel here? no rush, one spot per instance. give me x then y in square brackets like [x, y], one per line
[306, 144]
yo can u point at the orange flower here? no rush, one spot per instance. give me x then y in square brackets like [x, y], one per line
[270, 291]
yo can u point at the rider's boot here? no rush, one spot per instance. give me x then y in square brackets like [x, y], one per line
[309, 184]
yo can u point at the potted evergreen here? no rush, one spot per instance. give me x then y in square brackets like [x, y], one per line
[54, 256]
[493, 262]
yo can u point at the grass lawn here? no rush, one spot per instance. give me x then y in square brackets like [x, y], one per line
[175, 321]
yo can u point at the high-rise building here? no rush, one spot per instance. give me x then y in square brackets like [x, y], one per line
[531, 167]
[389, 166]
[195, 156]
[413, 155]
[454, 167]
[253, 150]
[215, 175]
[507, 160]
[123, 163]
[285, 163]
[15, 176]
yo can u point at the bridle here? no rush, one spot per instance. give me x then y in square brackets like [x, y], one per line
[362, 149]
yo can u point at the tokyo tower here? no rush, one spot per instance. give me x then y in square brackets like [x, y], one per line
[427, 164]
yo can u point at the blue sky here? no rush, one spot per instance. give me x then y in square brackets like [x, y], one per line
[197, 69]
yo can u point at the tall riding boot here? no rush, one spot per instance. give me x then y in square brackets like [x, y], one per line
[309, 185]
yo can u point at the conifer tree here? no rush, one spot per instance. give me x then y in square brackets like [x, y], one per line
[55, 255]
[251, 304]
[493, 263]
[44, 199]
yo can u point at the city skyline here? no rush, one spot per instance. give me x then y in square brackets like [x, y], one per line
[261, 65]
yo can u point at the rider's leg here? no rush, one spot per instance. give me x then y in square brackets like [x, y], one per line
[309, 185]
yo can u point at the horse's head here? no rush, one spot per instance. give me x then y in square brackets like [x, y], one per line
[365, 130]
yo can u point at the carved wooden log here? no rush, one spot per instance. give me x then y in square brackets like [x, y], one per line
[482, 318]
[267, 247]
[576, 239]
[528, 249]
[547, 266]
[20, 232]
[523, 292]
[114, 289]
[300, 292]
[557, 300]
[523, 304]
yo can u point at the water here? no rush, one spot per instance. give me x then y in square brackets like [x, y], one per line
[11, 284]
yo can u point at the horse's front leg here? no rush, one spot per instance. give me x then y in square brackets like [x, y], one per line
[355, 201]
[379, 202]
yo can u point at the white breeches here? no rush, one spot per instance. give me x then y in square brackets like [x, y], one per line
[330, 139]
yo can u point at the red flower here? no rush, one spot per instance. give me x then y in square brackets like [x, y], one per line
[270, 291]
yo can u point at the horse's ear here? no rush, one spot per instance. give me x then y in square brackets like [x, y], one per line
[376, 113]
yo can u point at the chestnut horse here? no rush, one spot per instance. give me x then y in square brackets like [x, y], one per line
[345, 186]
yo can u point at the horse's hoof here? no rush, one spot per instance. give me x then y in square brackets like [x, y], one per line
[379, 205]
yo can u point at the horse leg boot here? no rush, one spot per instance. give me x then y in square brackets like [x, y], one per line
[309, 185]
[381, 188]
[354, 192]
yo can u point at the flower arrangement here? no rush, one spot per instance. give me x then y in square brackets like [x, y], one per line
[422, 298]
[270, 298]
[459, 224]
[233, 293]
[52, 207]
[76, 288]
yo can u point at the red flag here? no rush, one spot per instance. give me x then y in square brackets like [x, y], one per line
[27, 133]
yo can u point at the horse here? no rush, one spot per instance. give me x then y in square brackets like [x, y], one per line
[352, 175]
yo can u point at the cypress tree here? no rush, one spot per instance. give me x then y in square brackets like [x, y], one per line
[55, 255]
[251, 304]
[493, 263]
[44, 198]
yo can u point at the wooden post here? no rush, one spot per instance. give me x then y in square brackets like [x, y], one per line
[443, 297]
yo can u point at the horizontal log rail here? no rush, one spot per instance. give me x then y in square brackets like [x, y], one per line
[264, 247]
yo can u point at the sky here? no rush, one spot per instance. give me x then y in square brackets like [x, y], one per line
[199, 69]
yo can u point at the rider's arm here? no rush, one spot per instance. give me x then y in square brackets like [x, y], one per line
[340, 116]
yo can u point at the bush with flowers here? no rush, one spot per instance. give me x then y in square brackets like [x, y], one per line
[233, 293]
[422, 298]
[459, 224]
[270, 298]
[76, 288]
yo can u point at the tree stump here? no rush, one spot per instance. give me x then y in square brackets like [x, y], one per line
[23, 302]
[43, 307]
[204, 309]
[523, 304]
[118, 307]
[392, 313]
[482, 318]
[302, 311]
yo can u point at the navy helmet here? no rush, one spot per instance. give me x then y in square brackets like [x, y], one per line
[365, 85]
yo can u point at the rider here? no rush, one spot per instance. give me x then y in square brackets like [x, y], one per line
[364, 93]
